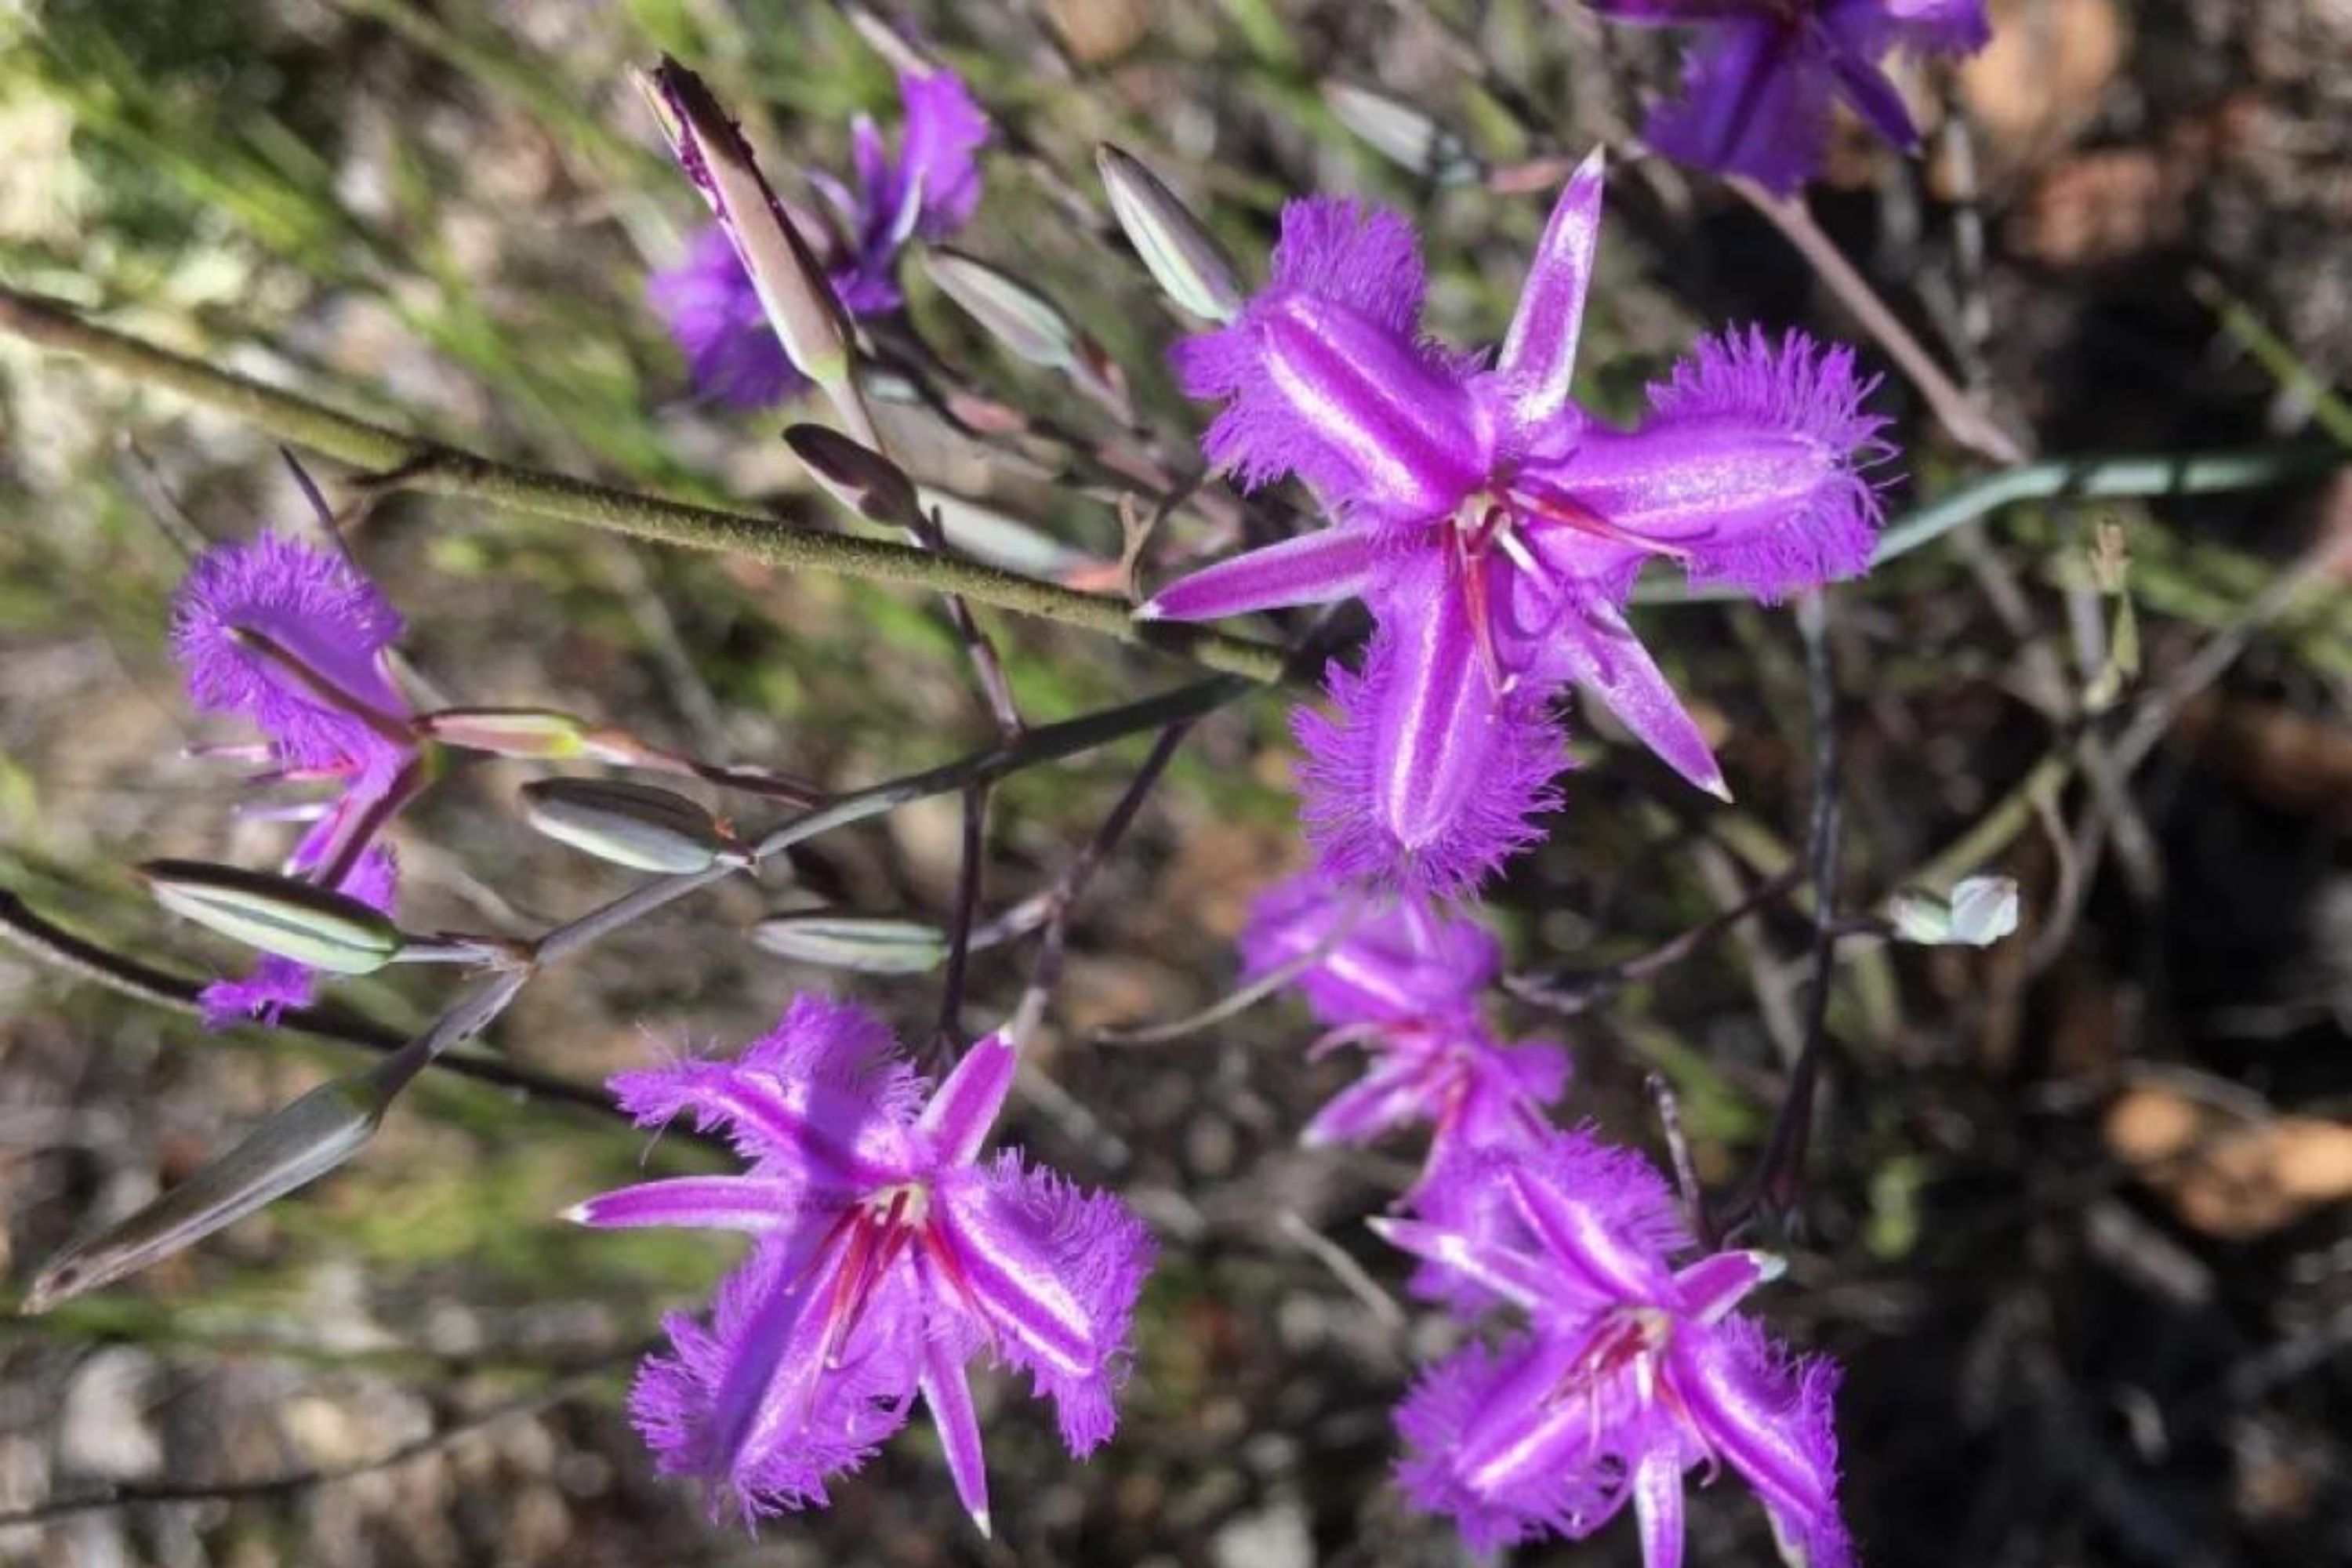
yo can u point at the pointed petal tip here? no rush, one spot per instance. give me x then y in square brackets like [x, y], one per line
[581, 1213]
[1150, 610]
[981, 1523]
[1715, 787]
[1382, 1226]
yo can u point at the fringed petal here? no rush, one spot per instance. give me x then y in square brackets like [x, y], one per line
[749, 1401]
[315, 606]
[1055, 1270]
[1324, 375]
[1771, 1418]
[824, 1098]
[1750, 469]
[1400, 791]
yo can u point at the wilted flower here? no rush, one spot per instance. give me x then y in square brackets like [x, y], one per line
[293, 639]
[1496, 528]
[927, 191]
[1629, 1373]
[1401, 981]
[1759, 86]
[886, 1256]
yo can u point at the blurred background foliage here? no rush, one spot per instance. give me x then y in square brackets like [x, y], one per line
[2077, 1219]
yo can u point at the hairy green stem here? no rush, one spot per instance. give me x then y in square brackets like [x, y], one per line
[402, 461]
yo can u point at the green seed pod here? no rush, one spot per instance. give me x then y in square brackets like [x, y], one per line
[630, 825]
[312, 925]
[861, 944]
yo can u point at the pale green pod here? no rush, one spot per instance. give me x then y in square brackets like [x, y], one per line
[631, 824]
[295, 1147]
[314, 926]
[861, 944]
[1184, 259]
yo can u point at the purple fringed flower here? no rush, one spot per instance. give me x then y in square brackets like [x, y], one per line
[1496, 528]
[1632, 1371]
[295, 639]
[927, 191]
[885, 1257]
[1401, 981]
[1758, 87]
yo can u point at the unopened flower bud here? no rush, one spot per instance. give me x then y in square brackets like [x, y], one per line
[858, 475]
[794, 293]
[1183, 257]
[1978, 911]
[312, 925]
[296, 1146]
[1402, 134]
[1031, 326]
[539, 734]
[861, 944]
[631, 824]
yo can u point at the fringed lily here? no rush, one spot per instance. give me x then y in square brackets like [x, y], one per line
[1631, 1372]
[928, 190]
[294, 639]
[1496, 528]
[1401, 981]
[886, 1255]
[1759, 85]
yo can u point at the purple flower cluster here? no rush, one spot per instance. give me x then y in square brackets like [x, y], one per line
[886, 1256]
[1761, 84]
[294, 639]
[927, 191]
[1630, 1365]
[1495, 528]
[1402, 981]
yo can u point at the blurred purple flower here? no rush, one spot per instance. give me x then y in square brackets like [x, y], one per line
[928, 192]
[1401, 981]
[1760, 84]
[293, 639]
[886, 1258]
[1496, 528]
[1631, 1372]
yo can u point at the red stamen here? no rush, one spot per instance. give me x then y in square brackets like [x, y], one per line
[1575, 514]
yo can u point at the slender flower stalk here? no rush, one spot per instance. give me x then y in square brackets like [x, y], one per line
[1496, 528]
[1761, 83]
[926, 190]
[886, 1256]
[1632, 1369]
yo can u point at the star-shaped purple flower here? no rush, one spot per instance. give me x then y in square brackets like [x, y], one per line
[886, 1256]
[1496, 528]
[927, 191]
[1631, 1370]
[294, 639]
[1759, 86]
[1402, 981]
